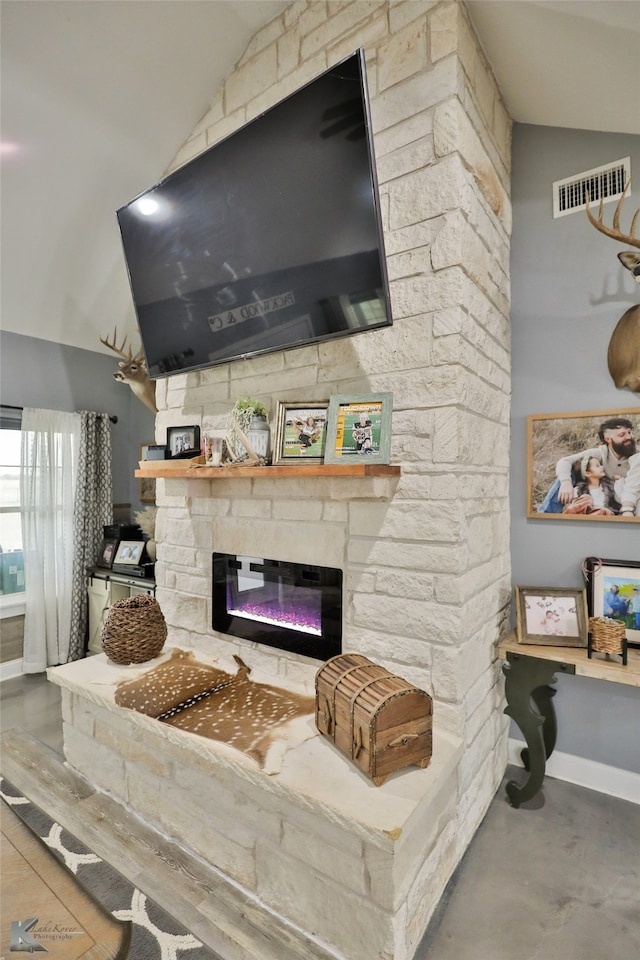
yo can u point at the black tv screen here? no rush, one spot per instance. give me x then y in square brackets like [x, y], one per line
[269, 239]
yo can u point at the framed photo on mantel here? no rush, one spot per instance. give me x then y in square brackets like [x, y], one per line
[359, 428]
[301, 431]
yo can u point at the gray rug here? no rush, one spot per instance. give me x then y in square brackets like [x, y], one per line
[155, 935]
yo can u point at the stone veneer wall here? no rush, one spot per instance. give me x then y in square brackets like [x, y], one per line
[426, 557]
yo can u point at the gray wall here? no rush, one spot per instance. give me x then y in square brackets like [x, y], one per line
[568, 291]
[39, 373]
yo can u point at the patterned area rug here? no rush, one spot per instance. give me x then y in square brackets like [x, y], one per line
[147, 931]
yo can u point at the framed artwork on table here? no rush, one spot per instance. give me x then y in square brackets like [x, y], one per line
[613, 588]
[555, 616]
[107, 552]
[129, 551]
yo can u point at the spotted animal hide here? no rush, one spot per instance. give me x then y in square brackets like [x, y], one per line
[249, 716]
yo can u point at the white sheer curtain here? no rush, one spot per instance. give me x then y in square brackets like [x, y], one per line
[48, 477]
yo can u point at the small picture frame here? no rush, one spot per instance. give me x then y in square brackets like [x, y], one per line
[359, 429]
[552, 616]
[301, 431]
[614, 591]
[129, 551]
[183, 442]
[147, 485]
[107, 553]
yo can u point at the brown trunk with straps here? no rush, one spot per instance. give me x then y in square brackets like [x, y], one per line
[378, 720]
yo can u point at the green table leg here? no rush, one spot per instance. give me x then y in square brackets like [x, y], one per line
[529, 704]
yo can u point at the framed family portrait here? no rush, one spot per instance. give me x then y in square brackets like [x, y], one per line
[359, 428]
[579, 465]
[301, 431]
[555, 616]
[183, 441]
[614, 591]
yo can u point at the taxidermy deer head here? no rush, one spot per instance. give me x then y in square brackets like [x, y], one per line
[623, 357]
[133, 370]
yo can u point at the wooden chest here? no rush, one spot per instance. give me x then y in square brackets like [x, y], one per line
[377, 719]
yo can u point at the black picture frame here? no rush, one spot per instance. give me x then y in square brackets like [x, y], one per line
[183, 441]
[107, 552]
[601, 575]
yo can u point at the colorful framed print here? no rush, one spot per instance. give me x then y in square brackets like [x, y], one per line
[359, 428]
[614, 591]
[301, 431]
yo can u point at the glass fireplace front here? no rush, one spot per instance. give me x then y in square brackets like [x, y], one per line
[296, 607]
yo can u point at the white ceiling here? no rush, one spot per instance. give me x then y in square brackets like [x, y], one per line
[98, 95]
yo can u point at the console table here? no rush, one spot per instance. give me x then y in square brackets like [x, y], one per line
[529, 670]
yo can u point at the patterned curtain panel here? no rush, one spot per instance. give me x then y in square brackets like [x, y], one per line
[93, 509]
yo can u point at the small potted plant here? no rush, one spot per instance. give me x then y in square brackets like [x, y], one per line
[249, 417]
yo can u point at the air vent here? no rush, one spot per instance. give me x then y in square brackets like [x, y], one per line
[606, 183]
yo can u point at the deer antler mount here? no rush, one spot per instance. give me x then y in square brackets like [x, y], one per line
[623, 356]
[133, 370]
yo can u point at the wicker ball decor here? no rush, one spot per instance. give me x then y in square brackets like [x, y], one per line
[135, 630]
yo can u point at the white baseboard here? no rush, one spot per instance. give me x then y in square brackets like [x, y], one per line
[10, 669]
[614, 781]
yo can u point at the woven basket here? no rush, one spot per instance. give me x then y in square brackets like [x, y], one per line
[607, 634]
[135, 630]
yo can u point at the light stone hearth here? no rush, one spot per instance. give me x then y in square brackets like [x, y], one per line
[348, 863]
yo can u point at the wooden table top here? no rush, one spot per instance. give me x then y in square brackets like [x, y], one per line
[598, 667]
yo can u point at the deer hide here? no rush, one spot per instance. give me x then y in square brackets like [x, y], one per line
[254, 718]
[623, 356]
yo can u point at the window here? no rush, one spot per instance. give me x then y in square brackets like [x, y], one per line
[11, 558]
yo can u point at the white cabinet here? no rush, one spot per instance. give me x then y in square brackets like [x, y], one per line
[103, 589]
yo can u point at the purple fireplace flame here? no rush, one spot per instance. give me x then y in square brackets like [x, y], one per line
[296, 607]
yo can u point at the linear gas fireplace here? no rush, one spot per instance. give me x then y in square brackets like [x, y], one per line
[293, 606]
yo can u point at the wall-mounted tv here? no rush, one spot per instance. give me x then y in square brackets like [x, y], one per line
[269, 239]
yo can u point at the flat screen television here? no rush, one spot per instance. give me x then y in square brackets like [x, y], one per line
[269, 239]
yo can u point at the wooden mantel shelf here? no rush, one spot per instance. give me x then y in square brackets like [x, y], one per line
[161, 469]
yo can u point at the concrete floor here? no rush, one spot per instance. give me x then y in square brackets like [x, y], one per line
[558, 879]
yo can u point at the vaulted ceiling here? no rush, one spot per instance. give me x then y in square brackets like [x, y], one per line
[98, 96]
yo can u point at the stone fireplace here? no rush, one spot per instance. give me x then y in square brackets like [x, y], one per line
[424, 555]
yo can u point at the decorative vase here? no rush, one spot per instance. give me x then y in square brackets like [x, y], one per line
[135, 630]
[259, 436]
